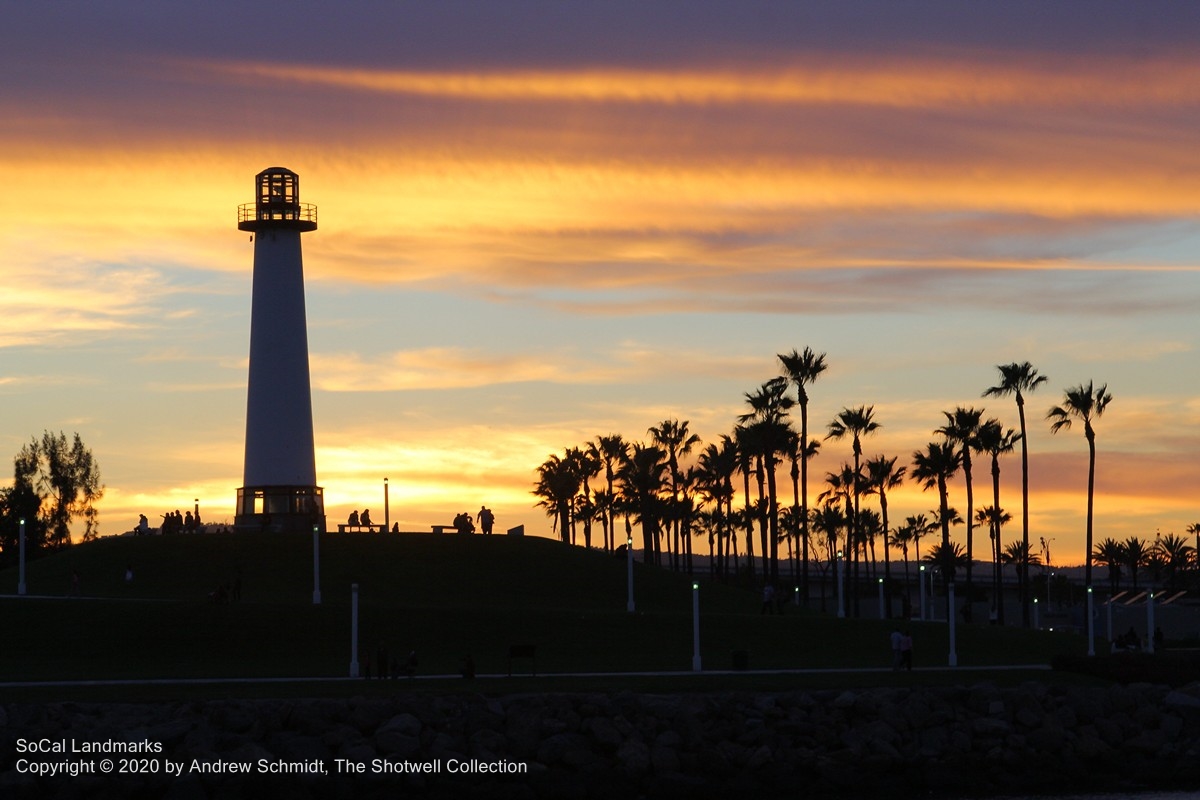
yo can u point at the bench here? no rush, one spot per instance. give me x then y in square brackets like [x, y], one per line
[528, 651]
[444, 528]
[361, 528]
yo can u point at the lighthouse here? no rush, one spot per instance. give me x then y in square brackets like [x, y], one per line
[279, 482]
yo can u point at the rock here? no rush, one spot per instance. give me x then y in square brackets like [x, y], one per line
[633, 756]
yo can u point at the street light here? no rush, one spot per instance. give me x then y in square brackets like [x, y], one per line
[695, 627]
[629, 573]
[841, 590]
[387, 523]
[1091, 625]
[882, 610]
[316, 566]
[21, 577]
[922, 582]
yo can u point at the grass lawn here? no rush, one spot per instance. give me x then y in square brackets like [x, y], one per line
[443, 596]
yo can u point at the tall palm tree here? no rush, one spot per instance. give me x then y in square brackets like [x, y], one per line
[962, 430]
[769, 405]
[882, 476]
[642, 478]
[676, 440]
[746, 445]
[586, 463]
[1019, 555]
[1018, 380]
[995, 518]
[1194, 529]
[612, 451]
[995, 441]
[1084, 403]
[932, 468]
[827, 521]
[855, 423]
[1111, 553]
[1137, 554]
[803, 369]
[1175, 554]
[718, 463]
[557, 485]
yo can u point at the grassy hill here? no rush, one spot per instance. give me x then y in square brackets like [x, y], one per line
[443, 596]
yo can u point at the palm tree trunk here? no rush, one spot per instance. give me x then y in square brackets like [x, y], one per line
[1023, 567]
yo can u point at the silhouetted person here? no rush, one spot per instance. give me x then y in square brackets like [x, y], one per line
[486, 520]
[365, 519]
[352, 521]
[906, 645]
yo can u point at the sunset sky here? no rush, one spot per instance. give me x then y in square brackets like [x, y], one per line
[544, 222]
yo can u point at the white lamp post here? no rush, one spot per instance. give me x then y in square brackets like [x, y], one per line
[387, 522]
[316, 566]
[921, 580]
[953, 631]
[21, 577]
[695, 627]
[841, 591]
[629, 573]
[882, 610]
[1150, 622]
[1036, 626]
[1091, 624]
[354, 630]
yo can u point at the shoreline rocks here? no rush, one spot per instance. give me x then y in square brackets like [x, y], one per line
[970, 741]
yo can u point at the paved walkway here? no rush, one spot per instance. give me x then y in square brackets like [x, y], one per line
[505, 676]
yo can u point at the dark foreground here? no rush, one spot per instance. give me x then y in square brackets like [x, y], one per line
[974, 741]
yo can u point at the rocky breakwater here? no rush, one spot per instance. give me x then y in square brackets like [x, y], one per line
[965, 741]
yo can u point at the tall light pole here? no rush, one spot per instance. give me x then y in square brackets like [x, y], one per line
[1150, 621]
[387, 523]
[316, 565]
[953, 631]
[1091, 624]
[882, 610]
[354, 630]
[629, 573]
[21, 577]
[921, 580]
[695, 627]
[841, 592]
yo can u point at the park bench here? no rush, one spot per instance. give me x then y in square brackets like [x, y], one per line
[343, 528]
[523, 651]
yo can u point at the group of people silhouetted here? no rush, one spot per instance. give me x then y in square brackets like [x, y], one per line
[174, 522]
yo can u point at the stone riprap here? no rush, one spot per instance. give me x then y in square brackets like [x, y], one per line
[964, 741]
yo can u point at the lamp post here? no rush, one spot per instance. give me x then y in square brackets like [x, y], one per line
[882, 610]
[1110, 636]
[1150, 622]
[1091, 625]
[695, 627]
[921, 580]
[953, 631]
[1036, 626]
[629, 573]
[841, 592]
[354, 630]
[21, 576]
[316, 566]
[387, 520]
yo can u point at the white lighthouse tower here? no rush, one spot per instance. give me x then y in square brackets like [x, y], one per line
[279, 491]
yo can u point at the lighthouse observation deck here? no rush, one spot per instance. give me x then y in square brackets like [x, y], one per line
[278, 205]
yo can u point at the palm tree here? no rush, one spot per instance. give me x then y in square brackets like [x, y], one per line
[1137, 554]
[995, 441]
[1017, 380]
[1017, 554]
[746, 444]
[883, 475]
[962, 429]
[1084, 403]
[995, 518]
[612, 451]
[1175, 553]
[586, 463]
[556, 486]
[855, 423]
[1111, 553]
[675, 439]
[803, 369]
[717, 465]
[769, 405]
[933, 467]
[828, 521]
[642, 477]
[1194, 529]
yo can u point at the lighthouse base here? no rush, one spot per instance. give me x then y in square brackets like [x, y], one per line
[279, 509]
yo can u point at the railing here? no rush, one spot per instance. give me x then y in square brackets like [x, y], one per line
[253, 212]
